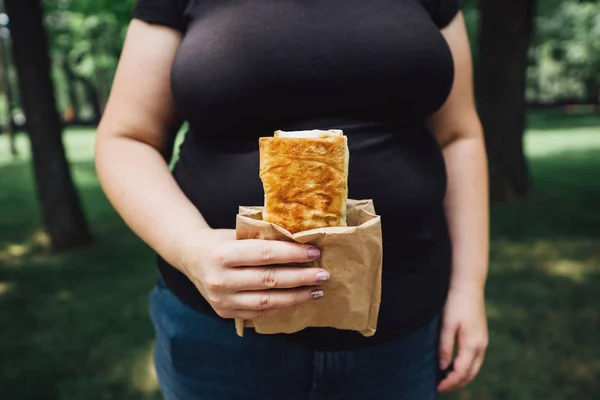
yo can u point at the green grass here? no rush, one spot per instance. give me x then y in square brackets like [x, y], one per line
[75, 325]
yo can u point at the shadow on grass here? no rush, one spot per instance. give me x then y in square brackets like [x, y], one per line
[78, 326]
[565, 203]
[544, 322]
[74, 325]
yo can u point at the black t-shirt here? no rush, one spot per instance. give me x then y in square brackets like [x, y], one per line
[376, 69]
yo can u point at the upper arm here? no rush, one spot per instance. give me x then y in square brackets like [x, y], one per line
[140, 106]
[458, 116]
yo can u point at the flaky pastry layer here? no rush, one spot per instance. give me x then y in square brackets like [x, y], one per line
[305, 179]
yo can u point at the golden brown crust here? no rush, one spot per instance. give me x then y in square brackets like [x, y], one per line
[305, 181]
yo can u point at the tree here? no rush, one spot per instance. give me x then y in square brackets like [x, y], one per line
[71, 83]
[5, 84]
[63, 217]
[505, 34]
[7, 92]
[87, 37]
[569, 34]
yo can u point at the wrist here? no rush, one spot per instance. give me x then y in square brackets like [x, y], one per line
[470, 285]
[192, 247]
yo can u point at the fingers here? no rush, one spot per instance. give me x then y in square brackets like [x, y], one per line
[252, 315]
[264, 252]
[480, 345]
[273, 299]
[243, 279]
[477, 365]
[259, 304]
[252, 278]
[471, 352]
[462, 371]
[447, 338]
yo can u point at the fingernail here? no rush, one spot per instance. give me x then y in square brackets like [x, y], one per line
[443, 365]
[316, 294]
[323, 277]
[313, 253]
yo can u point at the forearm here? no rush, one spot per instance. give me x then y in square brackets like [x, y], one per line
[467, 211]
[137, 181]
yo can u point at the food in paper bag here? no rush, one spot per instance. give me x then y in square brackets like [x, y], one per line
[305, 179]
[353, 256]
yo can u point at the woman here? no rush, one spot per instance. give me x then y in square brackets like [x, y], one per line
[395, 75]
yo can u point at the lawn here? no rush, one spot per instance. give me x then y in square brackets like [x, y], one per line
[74, 326]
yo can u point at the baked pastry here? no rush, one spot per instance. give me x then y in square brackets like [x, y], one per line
[305, 179]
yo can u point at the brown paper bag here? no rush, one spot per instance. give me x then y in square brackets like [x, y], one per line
[352, 254]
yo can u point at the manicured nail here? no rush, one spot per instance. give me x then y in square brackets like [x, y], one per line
[323, 277]
[313, 253]
[316, 294]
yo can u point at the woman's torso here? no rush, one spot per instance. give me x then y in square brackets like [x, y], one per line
[376, 70]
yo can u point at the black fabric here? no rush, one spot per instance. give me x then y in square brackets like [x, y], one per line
[162, 12]
[375, 69]
[443, 11]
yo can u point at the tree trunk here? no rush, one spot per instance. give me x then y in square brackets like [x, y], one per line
[504, 39]
[61, 209]
[6, 90]
[71, 87]
[91, 93]
[92, 98]
[593, 90]
[101, 91]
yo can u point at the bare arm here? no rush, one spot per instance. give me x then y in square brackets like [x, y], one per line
[458, 131]
[135, 139]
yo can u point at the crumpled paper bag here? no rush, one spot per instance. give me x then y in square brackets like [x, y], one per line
[352, 254]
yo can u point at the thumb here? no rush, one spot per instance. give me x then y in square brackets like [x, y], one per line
[447, 340]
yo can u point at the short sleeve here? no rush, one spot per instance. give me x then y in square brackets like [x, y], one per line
[443, 11]
[169, 13]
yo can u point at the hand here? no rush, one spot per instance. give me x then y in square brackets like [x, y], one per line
[464, 320]
[248, 279]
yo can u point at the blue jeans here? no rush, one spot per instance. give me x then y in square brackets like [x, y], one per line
[201, 358]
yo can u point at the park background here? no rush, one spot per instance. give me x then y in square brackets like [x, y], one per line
[74, 280]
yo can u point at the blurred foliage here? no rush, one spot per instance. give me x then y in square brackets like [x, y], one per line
[567, 54]
[88, 42]
[86, 38]
[120, 9]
